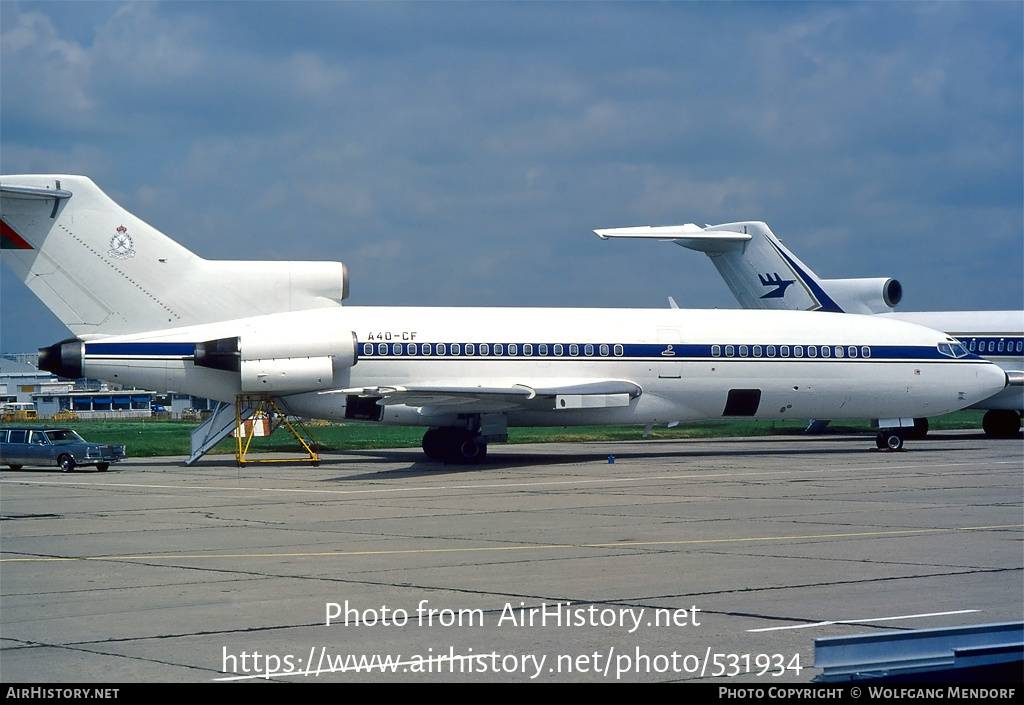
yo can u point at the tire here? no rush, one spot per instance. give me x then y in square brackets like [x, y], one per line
[102, 467]
[434, 443]
[892, 440]
[920, 429]
[1000, 423]
[463, 449]
[15, 467]
[66, 463]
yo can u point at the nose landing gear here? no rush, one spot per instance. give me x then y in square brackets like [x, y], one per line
[889, 439]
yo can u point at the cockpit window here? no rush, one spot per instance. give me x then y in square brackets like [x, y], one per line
[953, 349]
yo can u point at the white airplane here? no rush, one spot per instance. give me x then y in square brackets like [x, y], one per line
[147, 312]
[763, 274]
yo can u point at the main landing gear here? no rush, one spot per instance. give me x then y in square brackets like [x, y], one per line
[457, 446]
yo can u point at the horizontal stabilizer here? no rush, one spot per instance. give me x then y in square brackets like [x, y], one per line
[33, 192]
[692, 236]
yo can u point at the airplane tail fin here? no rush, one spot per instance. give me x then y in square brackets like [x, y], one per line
[762, 273]
[103, 271]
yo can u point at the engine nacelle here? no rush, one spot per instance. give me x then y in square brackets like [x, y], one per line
[864, 295]
[280, 363]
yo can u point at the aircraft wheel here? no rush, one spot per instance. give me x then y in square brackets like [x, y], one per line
[463, 449]
[1001, 423]
[66, 463]
[920, 429]
[890, 440]
[434, 443]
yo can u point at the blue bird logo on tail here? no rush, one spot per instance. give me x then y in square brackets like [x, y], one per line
[778, 282]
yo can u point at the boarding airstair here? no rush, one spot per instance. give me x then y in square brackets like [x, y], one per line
[242, 419]
[220, 424]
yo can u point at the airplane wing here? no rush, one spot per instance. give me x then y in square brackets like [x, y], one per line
[692, 236]
[544, 394]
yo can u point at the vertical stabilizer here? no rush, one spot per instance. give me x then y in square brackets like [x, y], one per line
[762, 273]
[103, 271]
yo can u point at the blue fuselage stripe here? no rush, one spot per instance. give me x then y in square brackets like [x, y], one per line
[650, 352]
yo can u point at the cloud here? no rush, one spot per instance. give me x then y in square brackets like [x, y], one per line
[474, 146]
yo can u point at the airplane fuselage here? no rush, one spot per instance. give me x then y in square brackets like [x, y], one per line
[660, 366]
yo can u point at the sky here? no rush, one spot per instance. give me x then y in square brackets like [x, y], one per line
[455, 153]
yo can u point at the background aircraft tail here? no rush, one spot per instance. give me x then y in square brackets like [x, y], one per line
[762, 273]
[103, 271]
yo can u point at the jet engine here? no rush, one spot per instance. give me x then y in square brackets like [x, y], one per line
[280, 363]
[864, 295]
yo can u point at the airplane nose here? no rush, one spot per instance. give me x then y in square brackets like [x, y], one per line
[991, 379]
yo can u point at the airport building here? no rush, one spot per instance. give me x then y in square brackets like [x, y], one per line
[22, 383]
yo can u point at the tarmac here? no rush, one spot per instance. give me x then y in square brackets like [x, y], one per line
[693, 560]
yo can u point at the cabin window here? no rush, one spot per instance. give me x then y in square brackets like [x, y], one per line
[367, 348]
[513, 349]
[542, 348]
[499, 349]
[456, 349]
[716, 350]
[730, 350]
[839, 351]
[851, 351]
[743, 351]
[798, 351]
[784, 350]
[604, 350]
[757, 351]
[382, 348]
[527, 348]
[588, 350]
[771, 351]
[425, 349]
[619, 351]
[558, 349]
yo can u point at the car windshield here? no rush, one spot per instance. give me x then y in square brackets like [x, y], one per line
[64, 436]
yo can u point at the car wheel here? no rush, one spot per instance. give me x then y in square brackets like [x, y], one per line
[66, 462]
[15, 467]
[102, 467]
